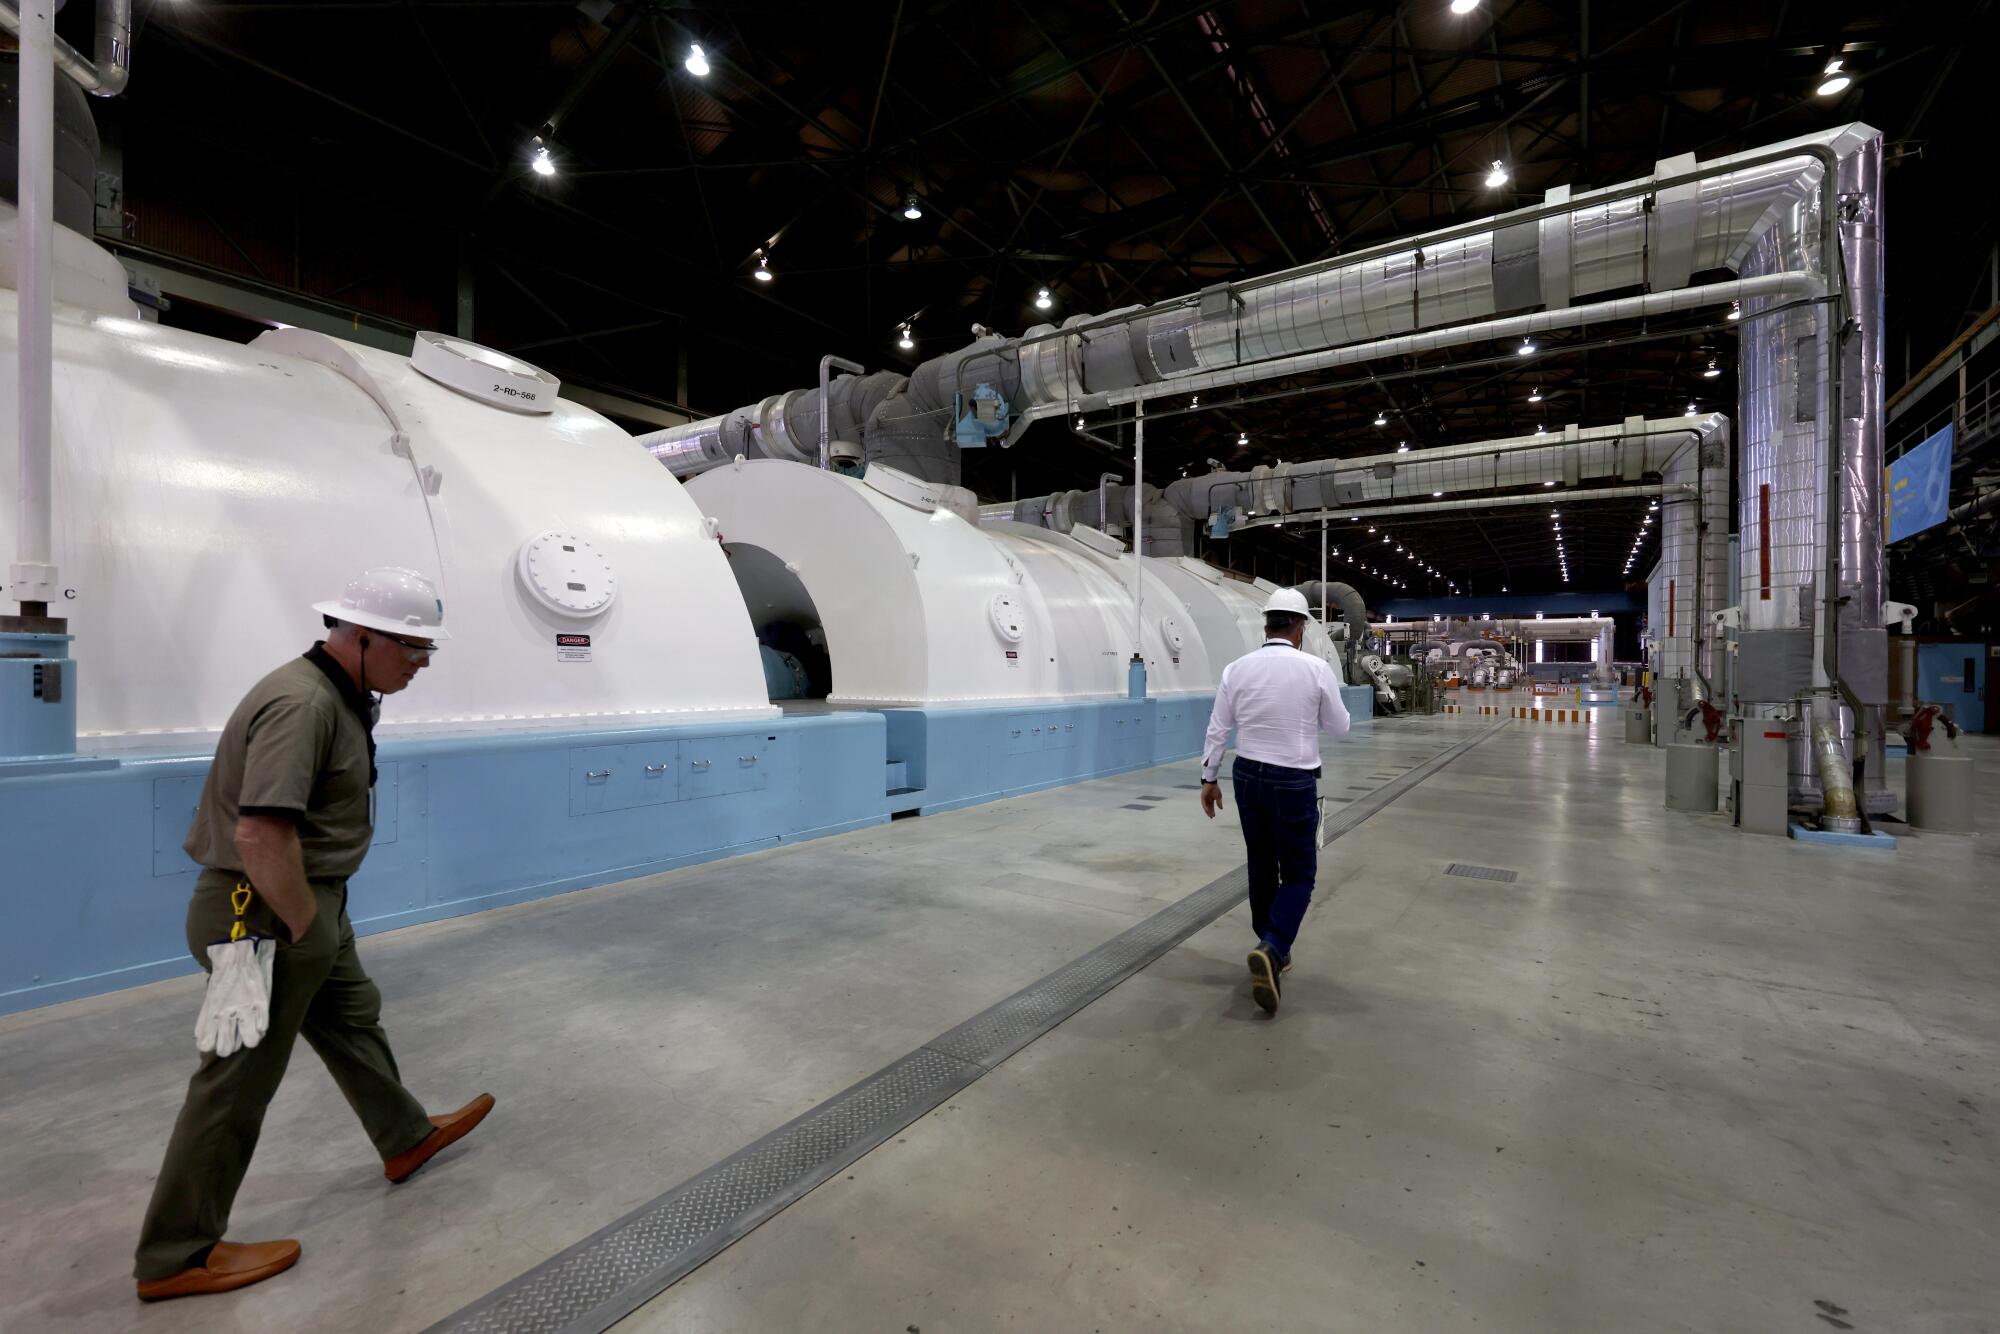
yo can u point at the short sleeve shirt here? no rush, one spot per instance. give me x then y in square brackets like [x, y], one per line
[299, 745]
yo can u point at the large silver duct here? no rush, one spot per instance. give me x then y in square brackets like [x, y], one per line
[1655, 233]
[107, 75]
[1794, 436]
[1353, 613]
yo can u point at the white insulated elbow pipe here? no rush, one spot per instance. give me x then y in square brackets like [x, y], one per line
[108, 74]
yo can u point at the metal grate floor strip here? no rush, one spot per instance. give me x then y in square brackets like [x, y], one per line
[622, 1266]
[1482, 872]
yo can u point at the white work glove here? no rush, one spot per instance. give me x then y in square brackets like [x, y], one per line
[236, 1009]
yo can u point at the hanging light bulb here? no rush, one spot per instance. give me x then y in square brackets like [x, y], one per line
[1496, 177]
[1535, 394]
[1526, 349]
[1464, 6]
[1381, 419]
[1833, 80]
[1195, 402]
[912, 209]
[905, 341]
[697, 61]
[540, 160]
[1242, 439]
[1043, 300]
[1541, 428]
[762, 273]
[1712, 370]
[1690, 409]
[1736, 310]
[1403, 448]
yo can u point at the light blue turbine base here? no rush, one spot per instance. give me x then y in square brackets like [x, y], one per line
[96, 888]
[1360, 702]
[1878, 841]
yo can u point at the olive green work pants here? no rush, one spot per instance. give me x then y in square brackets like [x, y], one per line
[319, 990]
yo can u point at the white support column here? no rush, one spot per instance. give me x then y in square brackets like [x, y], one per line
[1138, 529]
[32, 579]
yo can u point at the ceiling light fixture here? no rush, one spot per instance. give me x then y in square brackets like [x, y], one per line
[912, 209]
[1403, 448]
[697, 61]
[1527, 348]
[540, 160]
[762, 273]
[1043, 300]
[1381, 419]
[1690, 409]
[1712, 371]
[1464, 6]
[1498, 176]
[1535, 394]
[1736, 310]
[905, 341]
[1242, 439]
[1833, 79]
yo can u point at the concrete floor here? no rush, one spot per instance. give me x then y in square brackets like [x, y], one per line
[1673, 1078]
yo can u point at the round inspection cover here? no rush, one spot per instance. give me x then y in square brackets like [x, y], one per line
[1170, 630]
[481, 373]
[1008, 622]
[566, 574]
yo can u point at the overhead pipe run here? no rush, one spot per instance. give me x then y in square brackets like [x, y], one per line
[108, 74]
[1691, 456]
[1436, 290]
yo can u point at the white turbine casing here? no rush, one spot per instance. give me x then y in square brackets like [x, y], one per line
[207, 493]
[919, 606]
[1229, 612]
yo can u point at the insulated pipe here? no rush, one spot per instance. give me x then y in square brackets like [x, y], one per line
[826, 365]
[1655, 232]
[1803, 286]
[1839, 810]
[1353, 613]
[108, 75]
[31, 580]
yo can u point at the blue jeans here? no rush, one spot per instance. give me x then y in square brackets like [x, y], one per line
[1279, 810]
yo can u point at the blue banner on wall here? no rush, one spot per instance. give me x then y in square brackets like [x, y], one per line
[1920, 487]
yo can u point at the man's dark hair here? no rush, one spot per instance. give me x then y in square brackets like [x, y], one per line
[1282, 622]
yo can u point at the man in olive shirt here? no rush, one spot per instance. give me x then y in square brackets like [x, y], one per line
[287, 812]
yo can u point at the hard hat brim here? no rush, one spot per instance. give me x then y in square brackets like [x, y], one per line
[437, 634]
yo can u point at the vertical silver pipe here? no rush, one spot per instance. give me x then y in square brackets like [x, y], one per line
[1138, 530]
[826, 363]
[32, 580]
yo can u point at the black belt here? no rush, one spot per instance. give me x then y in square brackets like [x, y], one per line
[1260, 766]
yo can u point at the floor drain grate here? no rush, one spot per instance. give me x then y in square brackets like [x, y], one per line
[1481, 873]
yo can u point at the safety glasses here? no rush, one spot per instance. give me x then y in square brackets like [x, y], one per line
[414, 650]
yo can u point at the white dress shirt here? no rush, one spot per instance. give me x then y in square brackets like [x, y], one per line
[1278, 699]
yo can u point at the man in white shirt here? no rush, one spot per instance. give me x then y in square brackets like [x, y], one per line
[1277, 700]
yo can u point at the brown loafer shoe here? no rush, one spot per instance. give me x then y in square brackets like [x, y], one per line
[445, 1130]
[230, 1265]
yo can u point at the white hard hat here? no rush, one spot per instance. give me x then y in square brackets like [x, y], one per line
[1288, 600]
[393, 600]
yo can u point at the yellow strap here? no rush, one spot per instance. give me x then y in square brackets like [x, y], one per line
[239, 899]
